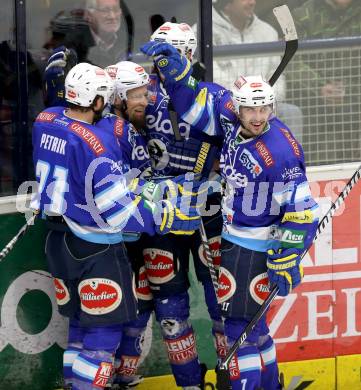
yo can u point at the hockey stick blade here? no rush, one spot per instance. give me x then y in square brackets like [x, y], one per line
[223, 378]
[285, 20]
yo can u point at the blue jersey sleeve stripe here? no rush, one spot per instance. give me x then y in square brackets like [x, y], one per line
[106, 199]
[121, 217]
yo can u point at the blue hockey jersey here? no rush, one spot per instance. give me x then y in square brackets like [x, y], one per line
[267, 201]
[80, 171]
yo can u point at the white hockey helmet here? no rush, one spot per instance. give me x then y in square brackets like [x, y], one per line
[252, 91]
[127, 75]
[84, 82]
[179, 35]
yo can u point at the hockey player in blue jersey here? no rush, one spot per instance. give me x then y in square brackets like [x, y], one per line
[176, 147]
[128, 120]
[270, 217]
[83, 192]
[194, 153]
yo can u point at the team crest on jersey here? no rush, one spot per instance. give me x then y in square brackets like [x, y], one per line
[259, 288]
[143, 289]
[226, 285]
[61, 292]
[159, 265]
[99, 296]
[250, 163]
[215, 247]
[158, 152]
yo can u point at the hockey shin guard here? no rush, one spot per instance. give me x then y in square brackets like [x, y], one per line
[127, 356]
[172, 313]
[93, 367]
[269, 374]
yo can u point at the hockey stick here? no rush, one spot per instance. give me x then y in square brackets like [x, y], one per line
[223, 378]
[285, 20]
[10, 245]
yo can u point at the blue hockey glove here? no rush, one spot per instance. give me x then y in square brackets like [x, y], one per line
[156, 48]
[284, 270]
[191, 155]
[168, 60]
[58, 65]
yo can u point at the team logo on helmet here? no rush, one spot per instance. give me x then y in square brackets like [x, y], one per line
[256, 85]
[72, 94]
[259, 288]
[240, 82]
[215, 247]
[61, 292]
[142, 289]
[139, 69]
[159, 265]
[99, 296]
[226, 285]
[162, 62]
[112, 71]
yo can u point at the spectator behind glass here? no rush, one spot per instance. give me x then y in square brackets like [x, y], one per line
[234, 22]
[108, 32]
[327, 84]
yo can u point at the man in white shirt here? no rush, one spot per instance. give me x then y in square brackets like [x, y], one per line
[234, 22]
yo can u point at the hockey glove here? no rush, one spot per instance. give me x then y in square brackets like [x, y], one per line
[169, 218]
[169, 61]
[191, 155]
[284, 270]
[58, 65]
[284, 259]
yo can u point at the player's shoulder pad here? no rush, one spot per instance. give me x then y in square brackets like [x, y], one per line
[225, 104]
[49, 114]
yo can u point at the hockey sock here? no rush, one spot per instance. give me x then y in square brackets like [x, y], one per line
[127, 356]
[172, 313]
[94, 364]
[217, 323]
[269, 374]
[75, 345]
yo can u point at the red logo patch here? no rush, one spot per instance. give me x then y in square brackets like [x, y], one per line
[264, 153]
[256, 85]
[233, 368]
[240, 82]
[71, 94]
[118, 127]
[181, 350]
[220, 344]
[46, 117]
[159, 265]
[259, 288]
[143, 289]
[99, 296]
[226, 285]
[128, 365]
[99, 72]
[139, 69]
[90, 138]
[229, 106]
[103, 374]
[164, 28]
[215, 247]
[112, 71]
[61, 292]
[292, 142]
